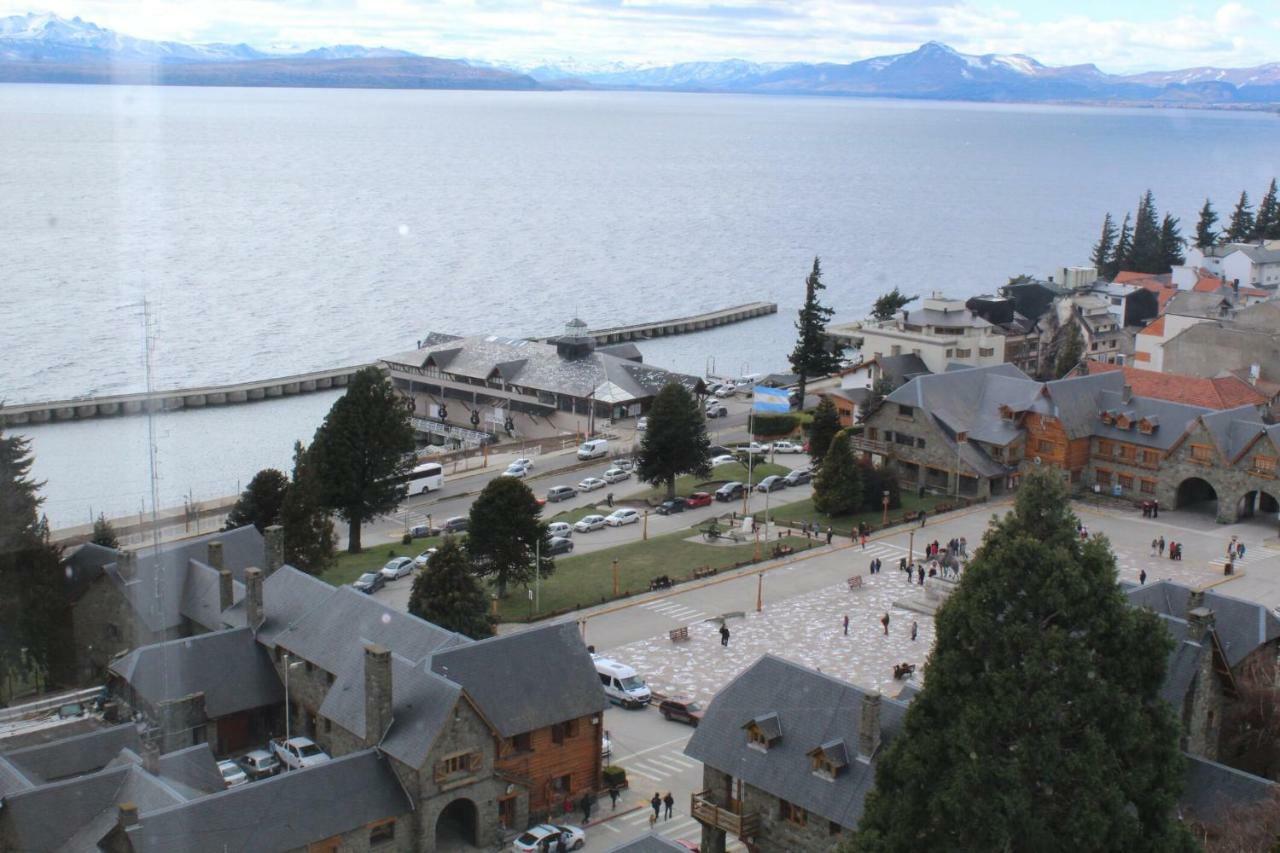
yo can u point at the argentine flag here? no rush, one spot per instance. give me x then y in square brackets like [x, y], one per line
[771, 399]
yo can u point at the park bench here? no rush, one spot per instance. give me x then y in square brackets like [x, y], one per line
[902, 670]
[661, 582]
[678, 634]
[855, 582]
[783, 550]
[703, 572]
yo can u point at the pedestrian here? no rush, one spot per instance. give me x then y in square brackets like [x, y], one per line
[807, 531]
[1154, 544]
[586, 807]
[560, 848]
[1161, 548]
[879, 565]
[846, 624]
[656, 802]
[884, 620]
[922, 518]
[613, 795]
[609, 498]
[914, 628]
[902, 564]
[1173, 548]
[724, 634]
[1240, 551]
[920, 573]
[964, 547]
[670, 802]
[1155, 509]
[1142, 577]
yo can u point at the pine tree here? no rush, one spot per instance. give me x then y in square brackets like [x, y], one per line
[1070, 351]
[259, 504]
[446, 593]
[889, 304]
[837, 487]
[1266, 226]
[812, 355]
[364, 445]
[309, 538]
[1206, 236]
[1144, 256]
[503, 534]
[823, 428]
[676, 440]
[1040, 725]
[1103, 249]
[1120, 258]
[1170, 245]
[104, 533]
[1241, 228]
[875, 482]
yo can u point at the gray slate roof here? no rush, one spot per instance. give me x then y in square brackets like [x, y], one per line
[1211, 789]
[233, 671]
[280, 813]
[898, 369]
[288, 595]
[1241, 626]
[814, 709]
[12, 779]
[549, 668]
[1182, 665]
[195, 769]
[75, 755]
[650, 842]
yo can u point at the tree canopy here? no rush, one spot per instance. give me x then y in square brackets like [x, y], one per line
[104, 533]
[446, 593]
[1040, 725]
[889, 304]
[675, 441]
[1104, 249]
[1069, 351]
[838, 487]
[812, 355]
[1206, 236]
[1241, 225]
[363, 446]
[823, 428]
[1153, 245]
[260, 502]
[503, 534]
[309, 540]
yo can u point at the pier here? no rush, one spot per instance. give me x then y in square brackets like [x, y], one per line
[683, 325]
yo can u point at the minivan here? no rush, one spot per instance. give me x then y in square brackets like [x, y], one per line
[560, 493]
[593, 449]
[621, 683]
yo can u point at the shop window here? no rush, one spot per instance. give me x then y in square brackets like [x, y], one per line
[1103, 478]
[522, 742]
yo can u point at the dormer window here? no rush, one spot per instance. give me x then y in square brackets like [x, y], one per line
[1148, 425]
[1124, 421]
[829, 759]
[763, 731]
[1107, 417]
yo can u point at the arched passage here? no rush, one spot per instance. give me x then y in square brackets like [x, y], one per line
[1197, 495]
[1258, 503]
[458, 825]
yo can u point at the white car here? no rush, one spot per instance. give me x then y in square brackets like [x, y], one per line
[591, 484]
[544, 836]
[726, 391]
[606, 745]
[298, 752]
[642, 424]
[397, 568]
[526, 464]
[753, 448]
[514, 470]
[619, 517]
[560, 528]
[624, 463]
[232, 774]
[787, 447]
[588, 523]
[616, 475]
[724, 459]
[424, 558]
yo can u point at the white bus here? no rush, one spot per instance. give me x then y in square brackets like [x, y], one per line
[424, 478]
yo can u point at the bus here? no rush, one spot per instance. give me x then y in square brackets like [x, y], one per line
[427, 477]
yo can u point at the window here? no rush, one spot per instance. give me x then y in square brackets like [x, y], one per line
[1044, 446]
[757, 738]
[905, 411]
[1105, 448]
[920, 442]
[1128, 452]
[964, 353]
[1147, 487]
[562, 784]
[571, 728]
[1126, 481]
[904, 439]
[1201, 453]
[950, 352]
[523, 742]
[460, 764]
[792, 813]
[1150, 458]
[1094, 346]
[560, 731]
[1103, 477]
[821, 765]
[380, 832]
[1264, 465]
[986, 352]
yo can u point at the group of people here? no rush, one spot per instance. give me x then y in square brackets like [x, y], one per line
[884, 622]
[659, 802]
[810, 529]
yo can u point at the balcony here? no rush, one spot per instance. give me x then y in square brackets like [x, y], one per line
[867, 445]
[704, 809]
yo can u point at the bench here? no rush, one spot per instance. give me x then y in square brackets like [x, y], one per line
[783, 550]
[855, 582]
[678, 634]
[704, 572]
[903, 670]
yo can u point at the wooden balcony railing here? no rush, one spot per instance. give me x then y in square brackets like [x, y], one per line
[868, 445]
[704, 809]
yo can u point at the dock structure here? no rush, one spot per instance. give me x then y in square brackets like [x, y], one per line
[682, 325]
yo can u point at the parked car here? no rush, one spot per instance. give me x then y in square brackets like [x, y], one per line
[642, 424]
[726, 391]
[698, 499]
[457, 524]
[625, 463]
[616, 475]
[619, 517]
[682, 709]
[298, 752]
[422, 531]
[672, 506]
[544, 836]
[771, 483]
[526, 464]
[397, 568]
[786, 447]
[798, 477]
[370, 582]
[719, 450]
[556, 494]
[560, 528]
[725, 459]
[514, 470]
[260, 764]
[717, 410]
[753, 448]
[729, 491]
[588, 523]
[232, 774]
[74, 709]
[713, 387]
[559, 545]
[590, 484]
[424, 558]
[606, 745]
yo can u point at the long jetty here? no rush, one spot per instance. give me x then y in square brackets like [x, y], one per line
[84, 408]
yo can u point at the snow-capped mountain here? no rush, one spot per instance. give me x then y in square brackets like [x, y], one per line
[1261, 75]
[731, 73]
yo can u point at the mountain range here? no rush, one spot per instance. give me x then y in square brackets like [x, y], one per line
[49, 48]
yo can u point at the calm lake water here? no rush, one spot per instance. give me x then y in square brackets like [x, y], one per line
[273, 231]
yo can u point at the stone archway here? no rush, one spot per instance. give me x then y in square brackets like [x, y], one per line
[1257, 503]
[458, 826]
[1197, 495]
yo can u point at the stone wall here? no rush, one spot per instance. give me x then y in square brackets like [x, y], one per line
[937, 452]
[780, 835]
[103, 625]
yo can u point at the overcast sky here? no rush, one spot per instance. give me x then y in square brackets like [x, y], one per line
[1117, 35]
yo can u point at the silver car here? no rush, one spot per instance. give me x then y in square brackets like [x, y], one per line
[616, 475]
[588, 523]
[590, 484]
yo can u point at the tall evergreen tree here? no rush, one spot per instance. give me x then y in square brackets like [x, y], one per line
[1120, 257]
[503, 534]
[676, 440]
[1170, 244]
[1040, 725]
[837, 487]
[823, 428]
[309, 538]
[1105, 247]
[1144, 255]
[889, 304]
[364, 445]
[1070, 350]
[1266, 225]
[260, 502]
[875, 482]
[104, 533]
[1206, 236]
[446, 593]
[1240, 229]
[812, 355]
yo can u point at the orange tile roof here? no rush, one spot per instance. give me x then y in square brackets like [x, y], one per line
[1207, 283]
[1225, 392]
[1155, 327]
[1131, 277]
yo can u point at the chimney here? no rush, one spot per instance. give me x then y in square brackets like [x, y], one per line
[214, 560]
[127, 565]
[274, 536]
[151, 757]
[869, 726]
[253, 598]
[1199, 623]
[128, 816]
[1194, 599]
[1126, 393]
[1235, 286]
[226, 589]
[377, 693]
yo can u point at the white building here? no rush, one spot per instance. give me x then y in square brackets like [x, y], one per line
[940, 332]
[1251, 264]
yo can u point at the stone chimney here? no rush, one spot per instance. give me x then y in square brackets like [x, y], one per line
[214, 559]
[127, 565]
[274, 537]
[226, 589]
[377, 693]
[151, 757]
[253, 598]
[869, 726]
[1194, 599]
[128, 815]
[1199, 623]
[1126, 393]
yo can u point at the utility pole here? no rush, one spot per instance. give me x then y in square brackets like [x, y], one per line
[615, 578]
[760, 592]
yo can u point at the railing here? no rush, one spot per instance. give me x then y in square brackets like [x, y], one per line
[705, 810]
[869, 445]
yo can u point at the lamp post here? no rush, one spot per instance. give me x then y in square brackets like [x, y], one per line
[884, 520]
[615, 579]
[760, 592]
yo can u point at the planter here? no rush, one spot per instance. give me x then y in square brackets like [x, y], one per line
[614, 776]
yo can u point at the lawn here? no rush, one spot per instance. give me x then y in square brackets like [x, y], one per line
[588, 579]
[348, 567]
[804, 511]
[720, 475]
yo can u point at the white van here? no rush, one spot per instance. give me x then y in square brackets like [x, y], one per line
[621, 683]
[593, 449]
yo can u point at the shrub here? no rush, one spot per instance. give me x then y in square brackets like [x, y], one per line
[769, 425]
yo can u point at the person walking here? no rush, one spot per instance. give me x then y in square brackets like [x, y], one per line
[884, 620]
[656, 802]
[724, 634]
[1240, 551]
[1155, 543]
[846, 624]
[964, 547]
[920, 573]
[1160, 550]
[922, 518]
[914, 629]
[586, 807]
[1155, 509]
[1142, 577]
[613, 795]
[670, 802]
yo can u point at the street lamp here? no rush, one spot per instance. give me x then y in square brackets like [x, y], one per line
[884, 521]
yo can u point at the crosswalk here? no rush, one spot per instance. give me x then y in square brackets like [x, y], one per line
[678, 828]
[678, 612]
[658, 767]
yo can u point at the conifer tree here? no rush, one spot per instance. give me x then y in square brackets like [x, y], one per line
[676, 441]
[837, 488]
[446, 593]
[823, 428]
[889, 304]
[1040, 725]
[1206, 236]
[1070, 350]
[1266, 225]
[1124, 247]
[505, 534]
[104, 533]
[309, 538]
[1103, 249]
[260, 502]
[1170, 245]
[1144, 256]
[1241, 227]
[812, 355]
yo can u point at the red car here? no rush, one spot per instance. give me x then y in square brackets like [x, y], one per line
[698, 499]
